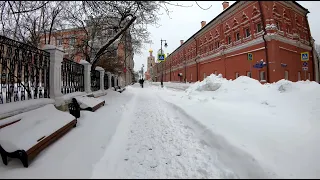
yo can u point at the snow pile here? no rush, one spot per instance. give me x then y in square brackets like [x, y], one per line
[33, 125]
[210, 83]
[277, 123]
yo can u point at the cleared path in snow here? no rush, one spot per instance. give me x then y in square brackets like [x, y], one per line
[152, 141]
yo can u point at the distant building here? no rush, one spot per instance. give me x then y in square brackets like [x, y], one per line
[273, 32]
[150, 67]
[119, 56]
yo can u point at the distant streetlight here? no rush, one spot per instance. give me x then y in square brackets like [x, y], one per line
[165, 45]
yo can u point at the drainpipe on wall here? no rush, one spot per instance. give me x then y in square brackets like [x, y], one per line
[265, 42]
[196, 57]
[314, 55]
[185, 68]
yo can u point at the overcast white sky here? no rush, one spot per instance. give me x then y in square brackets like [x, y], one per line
[185, 22]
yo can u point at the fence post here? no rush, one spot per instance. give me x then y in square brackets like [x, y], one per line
[56, 58]
[109, 79]
[87, 77]
[115, 80]
[101, 70]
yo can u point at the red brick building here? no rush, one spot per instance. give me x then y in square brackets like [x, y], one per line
[67, 39]
[274, 32]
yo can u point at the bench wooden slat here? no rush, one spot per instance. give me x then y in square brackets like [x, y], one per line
[35, 150]
[8, 124]
[96, 107]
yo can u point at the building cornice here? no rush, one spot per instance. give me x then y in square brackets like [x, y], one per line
[296, 43]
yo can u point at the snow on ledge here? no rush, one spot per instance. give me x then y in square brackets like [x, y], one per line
[83, 62]
[68, 97]
[14, 108]
[98, 68]
[34, 125]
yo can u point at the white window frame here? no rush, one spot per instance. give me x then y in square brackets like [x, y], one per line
[278, 25]
[247, 34]
[258, 28]
[249, 74]
[229, 40]
[262, 76]
[237, 33]
[286, 75]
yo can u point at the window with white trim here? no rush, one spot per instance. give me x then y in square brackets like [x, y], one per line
[299, 76]
[262, 76]
[286, 75]
[59, 42]
[278, 25]
[247, 32]
[237, 36]
[259, 27]
[72, 41]
[249, 74]
[237, 75]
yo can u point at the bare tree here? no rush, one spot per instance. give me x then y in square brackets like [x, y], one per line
[32, 19]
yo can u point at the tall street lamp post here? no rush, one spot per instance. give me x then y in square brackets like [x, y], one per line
[165, 45]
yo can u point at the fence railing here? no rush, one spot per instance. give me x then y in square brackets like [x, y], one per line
[72, 76]
[106, 81]
[95, 80]
[24, 71]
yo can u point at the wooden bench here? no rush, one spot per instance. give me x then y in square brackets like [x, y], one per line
[119, 89]
[26, 155]
[93, 109]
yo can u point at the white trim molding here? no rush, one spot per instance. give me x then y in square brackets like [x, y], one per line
[233, 49]
[296, 43]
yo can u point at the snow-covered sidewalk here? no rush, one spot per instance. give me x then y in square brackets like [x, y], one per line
[73, 155]
[152, 141]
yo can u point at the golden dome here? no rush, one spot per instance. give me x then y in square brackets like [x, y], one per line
[150, 50]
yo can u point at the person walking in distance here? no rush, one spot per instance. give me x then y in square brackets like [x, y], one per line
[142, 81]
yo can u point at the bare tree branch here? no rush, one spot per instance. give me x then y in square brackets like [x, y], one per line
[30, 10]
[202, 7]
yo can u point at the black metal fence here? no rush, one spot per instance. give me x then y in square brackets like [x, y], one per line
[95, 80]
[106, 81]
[24, 71]
[72, 76]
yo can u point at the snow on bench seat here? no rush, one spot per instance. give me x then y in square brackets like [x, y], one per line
[13, 108]
[99, 93]
[33, 125]
[91, 102]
